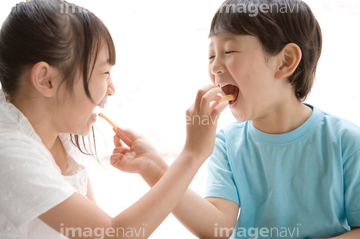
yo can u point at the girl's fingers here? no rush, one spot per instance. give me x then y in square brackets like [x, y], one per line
[116, 158]
[117, 141]
[120, 149]
[123, 136]
[128, 133]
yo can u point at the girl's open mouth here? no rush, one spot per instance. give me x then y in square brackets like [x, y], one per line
[231, 90]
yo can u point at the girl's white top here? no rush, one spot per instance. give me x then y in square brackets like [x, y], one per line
[31, 183]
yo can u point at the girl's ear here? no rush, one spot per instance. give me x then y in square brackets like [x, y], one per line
[290, 57]
[43, 78]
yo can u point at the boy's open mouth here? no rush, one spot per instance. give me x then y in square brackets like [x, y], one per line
[231, 90]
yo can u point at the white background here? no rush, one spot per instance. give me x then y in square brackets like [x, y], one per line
[162, 62]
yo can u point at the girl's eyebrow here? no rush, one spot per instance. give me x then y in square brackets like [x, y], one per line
[104, 63]
[231, 38]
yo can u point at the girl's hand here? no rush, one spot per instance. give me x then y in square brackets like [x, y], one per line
[201, 121]
[137, 156]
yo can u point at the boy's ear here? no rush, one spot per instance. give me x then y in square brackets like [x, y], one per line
[290, 57]
[43, 78]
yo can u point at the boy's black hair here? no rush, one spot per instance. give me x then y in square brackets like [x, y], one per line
[276, 23]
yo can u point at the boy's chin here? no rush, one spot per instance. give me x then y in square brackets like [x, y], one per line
[239, 117]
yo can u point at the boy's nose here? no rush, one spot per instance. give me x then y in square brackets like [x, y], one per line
[217, 68]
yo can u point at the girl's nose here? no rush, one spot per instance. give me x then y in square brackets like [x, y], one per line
[111, 88]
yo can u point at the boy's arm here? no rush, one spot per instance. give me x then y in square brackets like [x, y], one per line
[205, 218]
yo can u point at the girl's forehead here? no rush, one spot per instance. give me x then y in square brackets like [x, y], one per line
[103, 57]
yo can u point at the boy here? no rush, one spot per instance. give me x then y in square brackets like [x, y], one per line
[293, 169]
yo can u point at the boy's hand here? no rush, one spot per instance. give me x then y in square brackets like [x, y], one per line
[137, 156]
[201, 121]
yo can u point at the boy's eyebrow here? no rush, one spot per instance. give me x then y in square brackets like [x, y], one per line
[226, 39]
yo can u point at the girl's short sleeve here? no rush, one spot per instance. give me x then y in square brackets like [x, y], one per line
[30, 184]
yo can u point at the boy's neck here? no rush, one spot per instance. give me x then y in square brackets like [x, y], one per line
[284, 118]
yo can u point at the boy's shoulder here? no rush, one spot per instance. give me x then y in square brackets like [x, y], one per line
[234, 129]
[346, 133]
[340, 125]
[323, 122]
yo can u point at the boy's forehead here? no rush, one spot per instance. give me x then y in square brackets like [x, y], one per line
[224, 37]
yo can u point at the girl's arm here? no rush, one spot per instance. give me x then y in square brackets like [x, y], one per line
[203, 217]
[145, 215]
[353, 234]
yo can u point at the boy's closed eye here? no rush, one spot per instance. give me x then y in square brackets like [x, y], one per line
[226, 52]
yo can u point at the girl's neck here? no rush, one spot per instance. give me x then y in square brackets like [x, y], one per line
[39, 117]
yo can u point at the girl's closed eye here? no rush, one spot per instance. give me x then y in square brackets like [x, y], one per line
[229, 52]
[211, 57]
[107, 74]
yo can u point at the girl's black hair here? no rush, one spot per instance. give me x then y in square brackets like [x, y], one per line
[66, 36]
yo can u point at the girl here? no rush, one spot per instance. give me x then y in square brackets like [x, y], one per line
[54, 70]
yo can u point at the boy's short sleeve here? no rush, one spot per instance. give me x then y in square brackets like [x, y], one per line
[352, 189]
[30, 183]
[220, 181]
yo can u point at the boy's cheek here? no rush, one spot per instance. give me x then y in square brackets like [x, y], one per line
[212, 77]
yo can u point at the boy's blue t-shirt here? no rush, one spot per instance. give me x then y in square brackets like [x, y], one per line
[305, 183]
